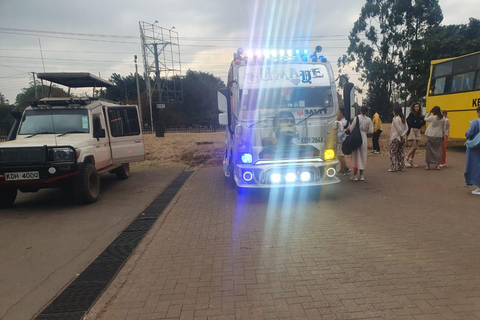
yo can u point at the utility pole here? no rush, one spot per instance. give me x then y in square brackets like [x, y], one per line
[138, 92]
[159, 126]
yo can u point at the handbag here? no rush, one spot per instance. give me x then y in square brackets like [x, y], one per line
[475, 142]
[353, 140]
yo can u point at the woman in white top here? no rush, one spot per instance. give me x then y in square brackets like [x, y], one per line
[397, 141]
[359, 156]
[445, 139]
[435, 133]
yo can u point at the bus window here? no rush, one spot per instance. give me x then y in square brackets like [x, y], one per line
[439, 86]
[477, 81]
[467, 84]
[456, 83]
[442, 69]
[463, 82]
[464, 65]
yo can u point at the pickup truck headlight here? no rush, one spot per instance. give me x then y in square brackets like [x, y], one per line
[64, 154]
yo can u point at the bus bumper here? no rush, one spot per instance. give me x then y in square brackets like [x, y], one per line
[281, 175]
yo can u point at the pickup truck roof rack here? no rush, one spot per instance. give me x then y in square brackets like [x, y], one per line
[75, 79]
[52, 102]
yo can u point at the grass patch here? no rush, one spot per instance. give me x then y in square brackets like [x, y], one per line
[183, 149]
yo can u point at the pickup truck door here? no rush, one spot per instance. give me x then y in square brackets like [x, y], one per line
[125, 133]
[103, 155]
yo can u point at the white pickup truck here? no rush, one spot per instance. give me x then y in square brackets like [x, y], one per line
[68, 143]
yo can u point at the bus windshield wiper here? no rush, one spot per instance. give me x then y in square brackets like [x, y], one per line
[43, 132]
[73, 131]
[313, 114]
[260, 121]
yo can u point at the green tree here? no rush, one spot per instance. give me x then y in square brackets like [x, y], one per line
[5, 109]
[28, 94]
[200, 97]
[3, 99]
[125, 88]
[438, 43]
[379, 42]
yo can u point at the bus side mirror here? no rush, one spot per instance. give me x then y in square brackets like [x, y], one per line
[349, 100]
[223, 97]
[223, 119]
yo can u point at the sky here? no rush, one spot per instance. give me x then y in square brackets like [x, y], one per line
[102, 36]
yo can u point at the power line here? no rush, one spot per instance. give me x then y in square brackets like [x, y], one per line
[124, 42]
[116, 36]
[12, 68]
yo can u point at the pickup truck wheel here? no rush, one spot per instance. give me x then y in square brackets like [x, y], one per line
[7, 197]
[87, 185]
[123, 172]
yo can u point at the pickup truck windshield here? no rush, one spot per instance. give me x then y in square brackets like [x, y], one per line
[256, 104]
[54, 121]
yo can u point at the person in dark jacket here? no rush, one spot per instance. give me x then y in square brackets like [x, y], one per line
[415, 121]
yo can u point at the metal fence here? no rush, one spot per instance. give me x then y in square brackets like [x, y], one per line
[187, 128]
[4, 129]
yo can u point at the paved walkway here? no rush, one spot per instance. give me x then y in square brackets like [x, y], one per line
[397, 246]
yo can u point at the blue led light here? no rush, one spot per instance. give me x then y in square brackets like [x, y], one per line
[247, 158]
[297, 52]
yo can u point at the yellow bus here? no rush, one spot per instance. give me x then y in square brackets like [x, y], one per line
[454, 86]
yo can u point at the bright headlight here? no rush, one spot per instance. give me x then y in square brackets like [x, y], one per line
[275, 178]
[290, 177]
[306, 176]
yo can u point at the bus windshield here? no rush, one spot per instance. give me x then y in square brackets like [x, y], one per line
[303, 100]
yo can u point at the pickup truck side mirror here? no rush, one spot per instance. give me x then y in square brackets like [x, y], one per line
[101, 133]
[16, 114]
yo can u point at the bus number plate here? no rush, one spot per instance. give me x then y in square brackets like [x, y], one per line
[14, 176]
[312, 140]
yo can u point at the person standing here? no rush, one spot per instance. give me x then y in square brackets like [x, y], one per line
[415, 121]
[445, 139]
[377, 131]
[342, 124]
[434, 133]
[472, 166]
[397, 140]
[359, 156]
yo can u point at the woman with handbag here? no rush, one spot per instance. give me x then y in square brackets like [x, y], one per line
[397, 141]
[435, 133]
[359, 156]
[472, 167]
